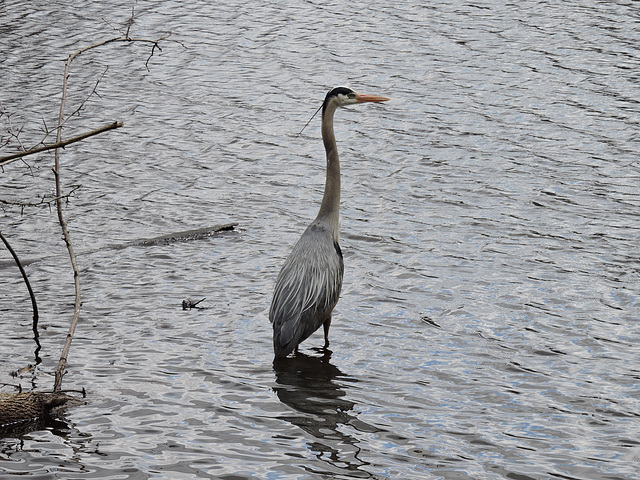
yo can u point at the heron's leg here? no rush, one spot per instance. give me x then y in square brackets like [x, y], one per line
[326, 326]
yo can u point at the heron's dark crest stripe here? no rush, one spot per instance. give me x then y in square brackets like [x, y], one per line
[334, 93]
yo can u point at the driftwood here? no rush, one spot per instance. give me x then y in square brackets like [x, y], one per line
[184, 236]
[175, 237]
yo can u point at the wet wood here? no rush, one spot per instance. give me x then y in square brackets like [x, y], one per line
[183, 236]
[19, 407]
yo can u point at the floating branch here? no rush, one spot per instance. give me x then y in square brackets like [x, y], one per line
[190, 303]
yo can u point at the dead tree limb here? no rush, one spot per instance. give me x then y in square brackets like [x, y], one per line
[61, 144]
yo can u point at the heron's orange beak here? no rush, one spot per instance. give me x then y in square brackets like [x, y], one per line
[361, 98]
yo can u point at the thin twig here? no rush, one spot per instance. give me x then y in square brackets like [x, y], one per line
[154, 43]
[42, 201]
[61, 144]
[17, 387]
[312, 117]
[41, 146]
[131, 19]
[12, 133]
[93, 92]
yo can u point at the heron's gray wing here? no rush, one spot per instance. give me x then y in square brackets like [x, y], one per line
[308, 286]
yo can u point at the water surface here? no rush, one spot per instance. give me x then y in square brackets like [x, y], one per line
[488, 322]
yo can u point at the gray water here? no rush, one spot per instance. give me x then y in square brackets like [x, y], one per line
[488, 324]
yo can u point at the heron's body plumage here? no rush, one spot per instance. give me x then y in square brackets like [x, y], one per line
[306, 291]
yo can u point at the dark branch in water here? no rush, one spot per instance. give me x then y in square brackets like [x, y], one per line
[34, 305]
[196, 234]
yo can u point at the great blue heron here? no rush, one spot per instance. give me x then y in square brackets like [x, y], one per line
[309, 283]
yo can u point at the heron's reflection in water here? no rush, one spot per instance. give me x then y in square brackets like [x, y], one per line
[316, 391]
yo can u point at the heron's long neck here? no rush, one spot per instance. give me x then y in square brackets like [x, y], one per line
[330, 208]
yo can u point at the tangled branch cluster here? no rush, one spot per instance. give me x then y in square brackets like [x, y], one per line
[10, 135]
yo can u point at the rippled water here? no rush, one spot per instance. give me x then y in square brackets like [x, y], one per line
[488, 325]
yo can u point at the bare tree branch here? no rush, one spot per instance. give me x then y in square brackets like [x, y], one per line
[61, 144]
[37, 147]
[84, 102]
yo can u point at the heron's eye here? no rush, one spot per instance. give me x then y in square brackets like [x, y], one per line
[352, 95]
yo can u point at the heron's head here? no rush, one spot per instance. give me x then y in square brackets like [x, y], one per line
[341, 96]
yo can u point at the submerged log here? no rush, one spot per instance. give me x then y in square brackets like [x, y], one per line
[175, 237]
[184, 236]
[25, 406]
